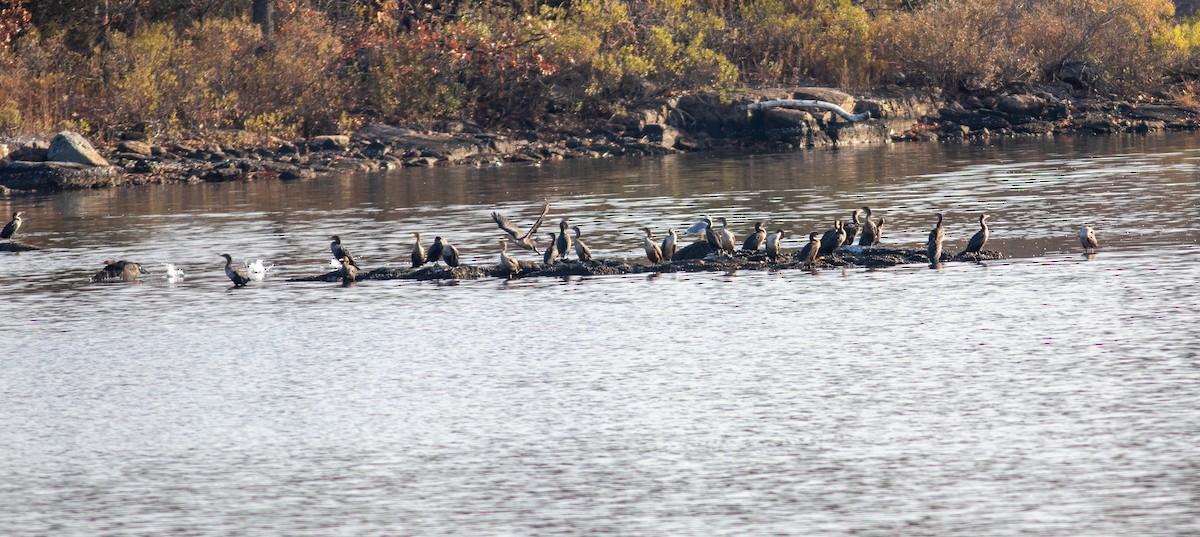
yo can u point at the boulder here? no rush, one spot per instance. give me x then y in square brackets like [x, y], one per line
[69, 146]
[50, 176]
[31, 152]
[331, 142]
[1021, 105]
[3, 151]
[829, 95]
[136, 147]
[664, 135]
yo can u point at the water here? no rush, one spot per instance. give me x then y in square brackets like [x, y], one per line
[1047, 393]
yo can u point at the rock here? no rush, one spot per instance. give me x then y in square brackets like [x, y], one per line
[69, 146]
[31, 152]
[1078, 74]
[331, 142]
[664, 135]
[862, 132]
[3, 151]
[134, 146]
[1034, 127]
[49, 176]
[1021, 105]
[376, 149]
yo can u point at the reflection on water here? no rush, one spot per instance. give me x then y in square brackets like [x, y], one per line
[1048, 393]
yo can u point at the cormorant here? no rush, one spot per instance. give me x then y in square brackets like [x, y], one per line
[669, 245]
[508, 265]
[933, 247]
[339, 251]
[756, 239]
[236, 274]
[126, 271]
[524, 241]
[435, 251]
[979, 239]
[808, 255]
[418, 252]
[550, 255]
[869, 234]
[726, 237]
[13, 225]
[581, 250]
[1087, 239]
[348, 272]
[563, 243]
[832, 238]
[449, 254]
[774, 245]
[851, 228]
[653, 252]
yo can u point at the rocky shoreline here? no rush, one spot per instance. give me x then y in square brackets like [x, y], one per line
[684, 124]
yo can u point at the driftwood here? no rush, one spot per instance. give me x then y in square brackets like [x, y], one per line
[809, 103]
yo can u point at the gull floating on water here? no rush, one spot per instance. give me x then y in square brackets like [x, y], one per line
[172, 274]
[258, 272]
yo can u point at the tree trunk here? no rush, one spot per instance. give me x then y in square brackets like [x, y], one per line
[264, 15]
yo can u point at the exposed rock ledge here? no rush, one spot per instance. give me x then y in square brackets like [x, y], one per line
[871, 257]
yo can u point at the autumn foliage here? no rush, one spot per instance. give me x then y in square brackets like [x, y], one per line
[195, 65]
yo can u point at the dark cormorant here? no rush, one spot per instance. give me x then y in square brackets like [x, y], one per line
[339, 251]
[1087, 239]
[653, 252]
[523, 240]
[563, 242]
[435, 251]
[851, 228]
[933, 247]
[832, 238]
[418, 252]
[126, 271]
[550, 254]
[808, 255]
[756, 239]
[12, 226]
[979, 239]
[236, 274]
[581, 250]
[868, 234]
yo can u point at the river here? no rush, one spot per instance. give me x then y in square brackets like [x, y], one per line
[1047, 393]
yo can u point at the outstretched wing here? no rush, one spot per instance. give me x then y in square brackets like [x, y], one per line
[536, 225]
[505, 225]
[696, 228]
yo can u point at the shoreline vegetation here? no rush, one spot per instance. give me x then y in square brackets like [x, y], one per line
[198, 91]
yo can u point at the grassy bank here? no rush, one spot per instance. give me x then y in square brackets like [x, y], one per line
[184, 66]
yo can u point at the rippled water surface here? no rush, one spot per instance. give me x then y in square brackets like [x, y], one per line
[1047, 393]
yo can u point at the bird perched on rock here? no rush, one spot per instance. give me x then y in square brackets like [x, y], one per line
[126, 271]
[435, 251]
[1087, 239]
[12, 226]
[774, 245]
[670, 243]
[418, 252]
[705, 226]
[933, 246]
[563, 242]
[851, 228]
[725, 236]
[347, 271]
[832, 238]
[235, 274]
[808, 254]
[581, 250]
[508, 266]
[524, 240]
[340, 251]
[980, 238]
[871, 231]
[550, 255]
[756, 239]
[449, 254]
[653, 252]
